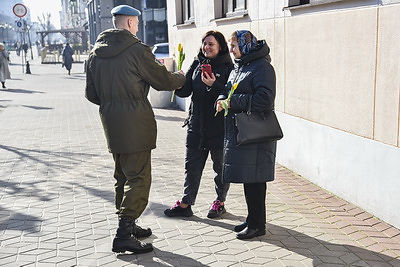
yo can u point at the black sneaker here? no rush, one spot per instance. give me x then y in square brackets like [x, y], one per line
[178, 211]
[216, 209]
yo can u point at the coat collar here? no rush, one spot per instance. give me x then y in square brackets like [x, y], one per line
[261, 51]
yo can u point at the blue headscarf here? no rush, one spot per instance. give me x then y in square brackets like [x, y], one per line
[246, 41]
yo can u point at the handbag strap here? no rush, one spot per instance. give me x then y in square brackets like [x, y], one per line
[249, 107]
[262, 113]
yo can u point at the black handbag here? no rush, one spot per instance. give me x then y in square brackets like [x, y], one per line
[255, 127]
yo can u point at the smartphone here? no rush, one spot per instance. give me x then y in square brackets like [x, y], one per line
[206, 68]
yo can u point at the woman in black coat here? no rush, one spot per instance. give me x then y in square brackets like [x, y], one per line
[205, 132]
[251, 164]
[67, 54]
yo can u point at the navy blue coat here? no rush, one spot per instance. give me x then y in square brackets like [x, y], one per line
[67, 54]
[252, 163]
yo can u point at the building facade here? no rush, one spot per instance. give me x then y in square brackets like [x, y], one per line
[152, 23]
[74, 23]
[73, 14]
[338, 86]
[99, 17]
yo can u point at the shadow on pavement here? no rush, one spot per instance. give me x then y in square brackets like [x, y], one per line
[22, 91]
[11, 220]
[319, 251]
[75, 77]
[168, 118]
[159, 209]
[107, 195]
[160, 258]
[55, 161]
[36, 107]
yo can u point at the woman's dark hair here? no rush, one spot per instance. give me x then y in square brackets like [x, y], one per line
[223, 45]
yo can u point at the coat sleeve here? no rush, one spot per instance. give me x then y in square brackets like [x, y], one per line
[265, 84]
[187, 89]
[90, 90]
[224, 93]
[157, 75]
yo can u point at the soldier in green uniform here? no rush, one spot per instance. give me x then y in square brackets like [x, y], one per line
[120, 71]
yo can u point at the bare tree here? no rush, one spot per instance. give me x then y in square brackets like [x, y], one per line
[45, 24]
[44, 21]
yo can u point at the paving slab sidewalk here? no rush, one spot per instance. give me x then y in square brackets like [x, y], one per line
[56, 195]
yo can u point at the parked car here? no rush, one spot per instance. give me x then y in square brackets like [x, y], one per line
[161, 50]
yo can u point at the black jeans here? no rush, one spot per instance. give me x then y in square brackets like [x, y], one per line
[194, 166]
[255, 195]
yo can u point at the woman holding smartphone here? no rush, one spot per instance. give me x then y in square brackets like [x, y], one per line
[205, 80]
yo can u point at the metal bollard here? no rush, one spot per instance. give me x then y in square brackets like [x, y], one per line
[28, 69]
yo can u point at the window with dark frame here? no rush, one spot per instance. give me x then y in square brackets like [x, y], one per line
[298, 2]
[187, 11]
[232, 6]
[229, 8]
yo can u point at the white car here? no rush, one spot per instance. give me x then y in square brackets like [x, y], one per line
[161, 50]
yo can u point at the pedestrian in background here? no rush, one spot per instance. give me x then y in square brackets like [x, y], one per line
[17, 47]
[253, 164]
[25, 47]
[205, 133]
[4, 65]
[67, 58]
[120, 71]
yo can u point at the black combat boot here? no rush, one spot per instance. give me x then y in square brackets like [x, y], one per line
[124, 241]
[140, 232]
[3, 84]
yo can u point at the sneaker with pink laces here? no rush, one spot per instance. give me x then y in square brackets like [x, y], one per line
[216, 210]
[177, 211]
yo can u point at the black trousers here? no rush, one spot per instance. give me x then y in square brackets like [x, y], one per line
[194, 166]
[255, 195]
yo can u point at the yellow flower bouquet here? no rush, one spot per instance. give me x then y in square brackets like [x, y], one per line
[225, 102]
[180, 59]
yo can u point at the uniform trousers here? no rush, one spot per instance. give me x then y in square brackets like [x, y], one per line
[133, 179]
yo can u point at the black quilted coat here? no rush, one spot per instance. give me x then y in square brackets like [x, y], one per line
[205, 130]
[252, 163]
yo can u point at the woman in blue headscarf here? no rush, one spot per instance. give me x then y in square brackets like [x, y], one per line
[253, 164]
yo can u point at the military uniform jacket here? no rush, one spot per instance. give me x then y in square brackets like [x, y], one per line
[120, 71]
